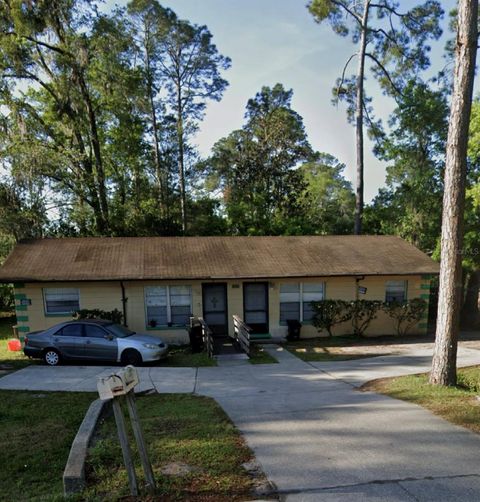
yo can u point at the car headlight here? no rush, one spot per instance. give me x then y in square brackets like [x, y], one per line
[150, 346]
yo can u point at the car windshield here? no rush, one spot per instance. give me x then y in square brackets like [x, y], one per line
[119, 331]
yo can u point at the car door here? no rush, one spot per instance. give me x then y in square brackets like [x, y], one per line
[99, 343]
[69, 340]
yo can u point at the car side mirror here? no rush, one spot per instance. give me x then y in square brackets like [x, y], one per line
[109, 337]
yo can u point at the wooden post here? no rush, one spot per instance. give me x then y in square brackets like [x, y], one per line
[127, 453]
[137, 431]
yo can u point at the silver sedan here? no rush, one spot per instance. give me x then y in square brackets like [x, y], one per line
[94, 339]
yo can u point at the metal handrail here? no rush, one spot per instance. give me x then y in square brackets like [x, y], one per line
[242, 333]
[207, 335]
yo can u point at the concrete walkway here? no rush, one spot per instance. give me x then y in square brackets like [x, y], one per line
[315, 435]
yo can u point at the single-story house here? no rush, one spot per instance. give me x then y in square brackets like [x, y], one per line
[159, 282]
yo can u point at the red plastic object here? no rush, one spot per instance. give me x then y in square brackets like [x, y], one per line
[14, 345]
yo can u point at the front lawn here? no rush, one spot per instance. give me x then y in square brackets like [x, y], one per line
[9, 360]
[36, 432]
[182, 355]
[459, 405]
[258, 355]
[195, 450]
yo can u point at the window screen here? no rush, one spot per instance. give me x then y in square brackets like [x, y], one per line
[156, 303]
[395, 291]
[168, 305]
[180, 305]
[61, 300]
[289, 302]
[312, 292]
[295, 300]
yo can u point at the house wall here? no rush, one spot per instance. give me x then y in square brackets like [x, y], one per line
[108, 296]
[343, 288]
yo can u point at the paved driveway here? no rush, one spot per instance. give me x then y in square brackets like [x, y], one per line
[315, 435]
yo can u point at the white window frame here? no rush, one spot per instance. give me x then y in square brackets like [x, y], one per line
[405, 288]
[169, 310]
[45, 292]
[301, 284]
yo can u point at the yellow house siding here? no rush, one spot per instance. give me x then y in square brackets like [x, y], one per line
[234, 301]
[136, 312]
[108, 296]
[344, 288]
[92, 295]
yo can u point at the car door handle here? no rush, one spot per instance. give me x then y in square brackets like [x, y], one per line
[88, 341]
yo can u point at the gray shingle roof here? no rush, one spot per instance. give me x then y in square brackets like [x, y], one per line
[137, 258]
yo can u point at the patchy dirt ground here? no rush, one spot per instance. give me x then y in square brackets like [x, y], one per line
[392, 345]
[313, 348]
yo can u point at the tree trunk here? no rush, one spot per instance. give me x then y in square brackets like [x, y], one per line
[444, 371]
[359, 121]
[181, 160]
[470, 310]
[158, 161]
[92, 120]
[156, 142]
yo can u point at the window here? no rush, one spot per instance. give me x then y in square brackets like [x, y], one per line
[94, 331]
[289, 302]
[168, 305]
[71, 330]
[395, 291]
[61, 300]
[312, 292]
[296, 298]
[156, 302]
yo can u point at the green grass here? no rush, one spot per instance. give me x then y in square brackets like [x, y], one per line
[324, 349]
[458, 405]
[36, 432]
[259, 355]
[182, 356]
[178, 428]
[8, 359]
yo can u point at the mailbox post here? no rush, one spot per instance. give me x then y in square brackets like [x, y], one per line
[114, 387]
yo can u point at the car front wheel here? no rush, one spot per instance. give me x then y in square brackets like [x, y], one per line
[51, 357]
[131, 356]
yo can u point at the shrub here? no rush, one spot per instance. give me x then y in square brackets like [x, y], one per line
[328, 313]
[362, 313]
[406, 314]
[110, 315]
[7, 301]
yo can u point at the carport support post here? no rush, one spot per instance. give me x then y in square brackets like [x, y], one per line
[127, 453]
[137, 431]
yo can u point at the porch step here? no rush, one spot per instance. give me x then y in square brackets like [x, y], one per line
[260, 336]
[239, 356]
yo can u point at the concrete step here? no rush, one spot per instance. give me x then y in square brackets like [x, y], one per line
[231, 357]
[260, 336]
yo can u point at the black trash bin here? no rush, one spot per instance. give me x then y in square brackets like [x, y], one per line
[294, 328]
[196, 339]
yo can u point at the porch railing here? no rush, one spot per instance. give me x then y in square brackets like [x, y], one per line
[242, 333]
[207, 335]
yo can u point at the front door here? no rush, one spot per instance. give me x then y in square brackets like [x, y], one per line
[215, 308]
[255, 306]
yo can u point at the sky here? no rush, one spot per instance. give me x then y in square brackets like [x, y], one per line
[272, 41]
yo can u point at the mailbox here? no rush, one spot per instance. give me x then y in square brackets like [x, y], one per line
[117, 384]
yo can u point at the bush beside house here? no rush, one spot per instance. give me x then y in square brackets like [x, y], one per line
[329, 313]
